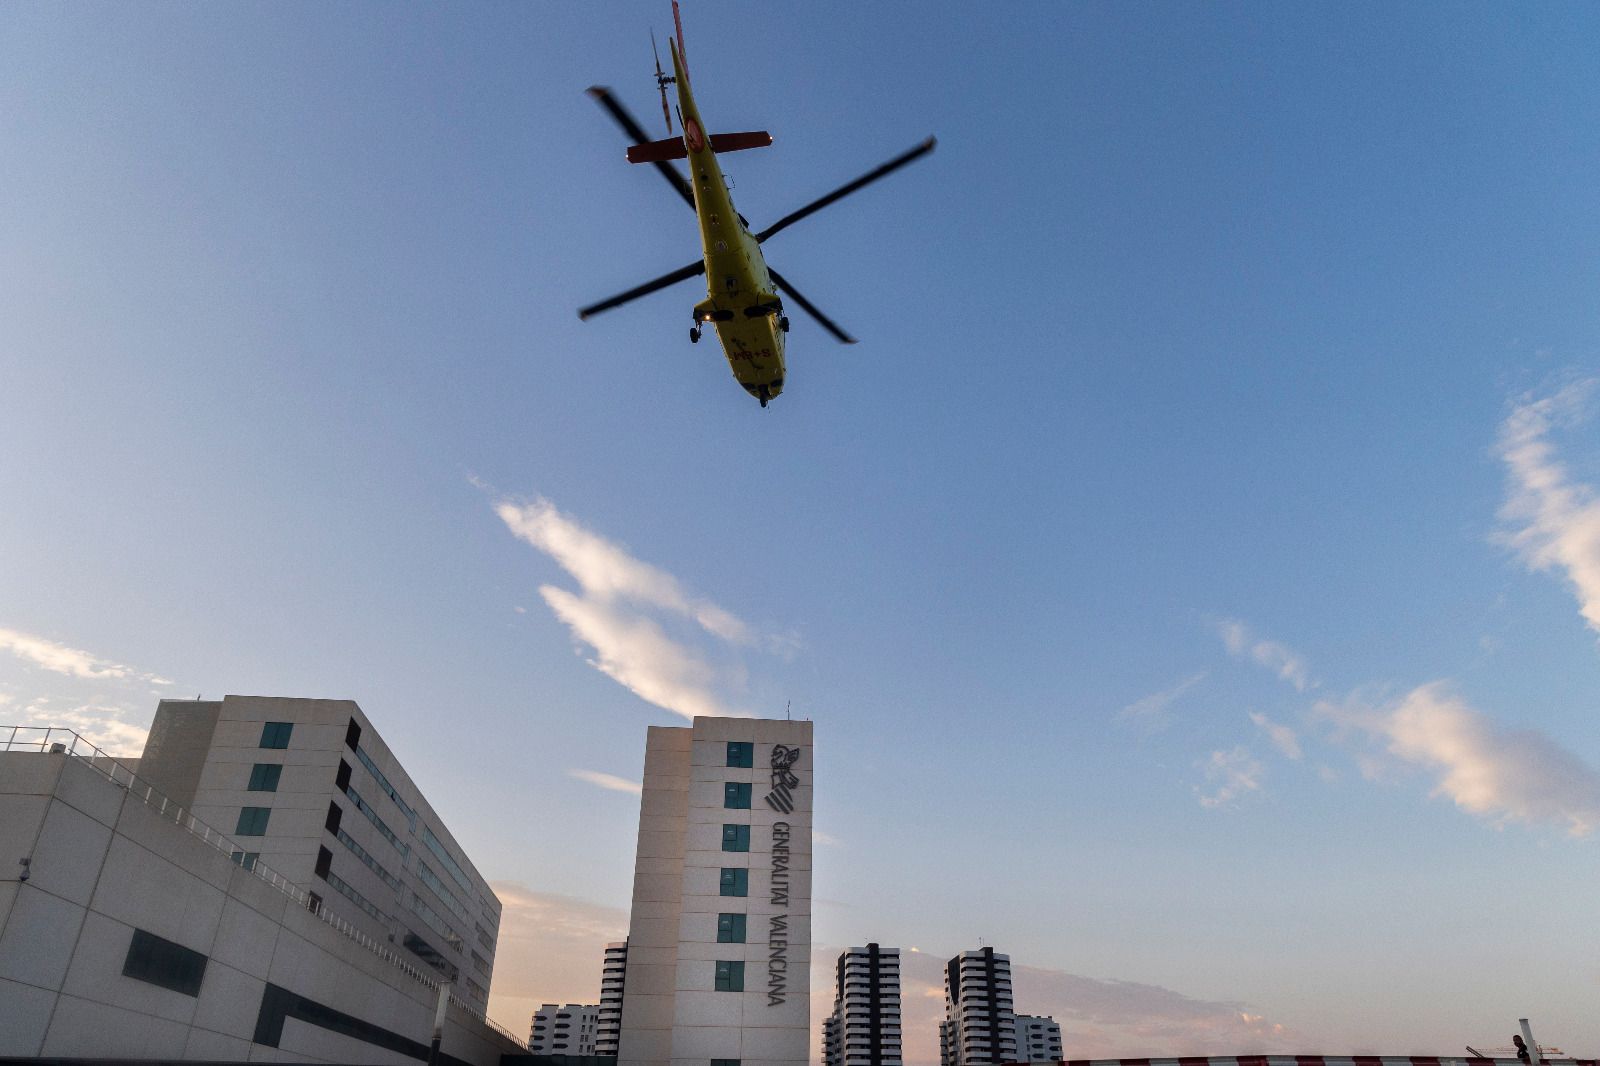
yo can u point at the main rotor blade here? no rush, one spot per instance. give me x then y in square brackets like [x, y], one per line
[636, 131]
[845, 190]
[810, 308]
[681, 274]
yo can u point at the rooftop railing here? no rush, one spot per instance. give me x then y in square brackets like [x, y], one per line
[59, 740]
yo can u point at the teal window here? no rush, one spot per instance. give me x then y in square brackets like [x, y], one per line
[735, 838]
[730, 929]
[730, 976]
[736, 796]
[247, 859]
[276, 734]
[264, 777]
[252, 821]
[735, 882]
[741, 753]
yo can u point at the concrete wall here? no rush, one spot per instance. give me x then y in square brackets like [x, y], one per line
[279, 983]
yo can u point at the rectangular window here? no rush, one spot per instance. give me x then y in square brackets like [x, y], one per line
[741, 753]
[730, 929]
[352, 734]
[341, 779]
[264, 777]
[335, 816]
[276, 734]
[730, 976]
[324, 862]
[161, 962]
[735, 882]
[247, 859]
[252, 821]
[736, 796]
[735, 838]
[724, 1062]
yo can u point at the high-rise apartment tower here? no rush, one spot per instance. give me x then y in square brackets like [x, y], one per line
[979, 1023]
[612, 987]
[864, 1028]
[564, 1029]
[719, 943]
[1038, 1038]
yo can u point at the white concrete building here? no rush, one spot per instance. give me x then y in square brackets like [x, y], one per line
[128, 930]
[612, 985]
[979, 1021]
[564, 1029]
[1038, 1038]
[308, 787]
[864, 1028]
[719, 944]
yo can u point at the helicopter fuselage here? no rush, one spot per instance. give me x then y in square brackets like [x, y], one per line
[741, 301]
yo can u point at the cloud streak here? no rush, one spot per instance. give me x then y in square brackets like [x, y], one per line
[1229, 775]
[1281, 660]
[1283, 737]
[619, 611]
[1554, 520]
[1497, 774]
[607, 781]
[1152, 712]
[74, 662]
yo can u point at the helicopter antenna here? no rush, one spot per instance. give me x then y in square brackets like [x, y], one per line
[662, 81]
[786, 706]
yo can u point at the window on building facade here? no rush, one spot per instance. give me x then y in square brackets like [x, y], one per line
[247, 859]
[724, 1062]
[341, 779]
[736, 795]
[730, 976]
[352, 734]
[735, 882]
[161, 962]
[324, 862]
[741, 753]
[264, 777]
[735, 838]
[730, 929]
[276, 734]
[252, 821]
[335, 817]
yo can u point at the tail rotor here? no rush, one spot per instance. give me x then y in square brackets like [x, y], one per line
[662, 81]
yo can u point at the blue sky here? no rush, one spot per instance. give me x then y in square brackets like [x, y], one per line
[1194, 572]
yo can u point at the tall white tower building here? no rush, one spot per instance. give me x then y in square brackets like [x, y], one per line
[719, 944]
[612, 986]
[1038, 1038]
[979, 1023]
[864, 1028]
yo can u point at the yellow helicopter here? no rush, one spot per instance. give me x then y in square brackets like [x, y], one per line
[744, 297]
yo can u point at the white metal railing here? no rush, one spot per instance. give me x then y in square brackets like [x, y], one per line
[59, 740]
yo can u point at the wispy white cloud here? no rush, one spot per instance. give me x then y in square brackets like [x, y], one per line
[618, 614]
[1553, 519]
[74, 662]
[1280, 659]
[115, 729]
[1498, 774]
[1283, 737]
[607, 781]
[1229, 775]
[609, 574]
[1151, 712]
[825, 839]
